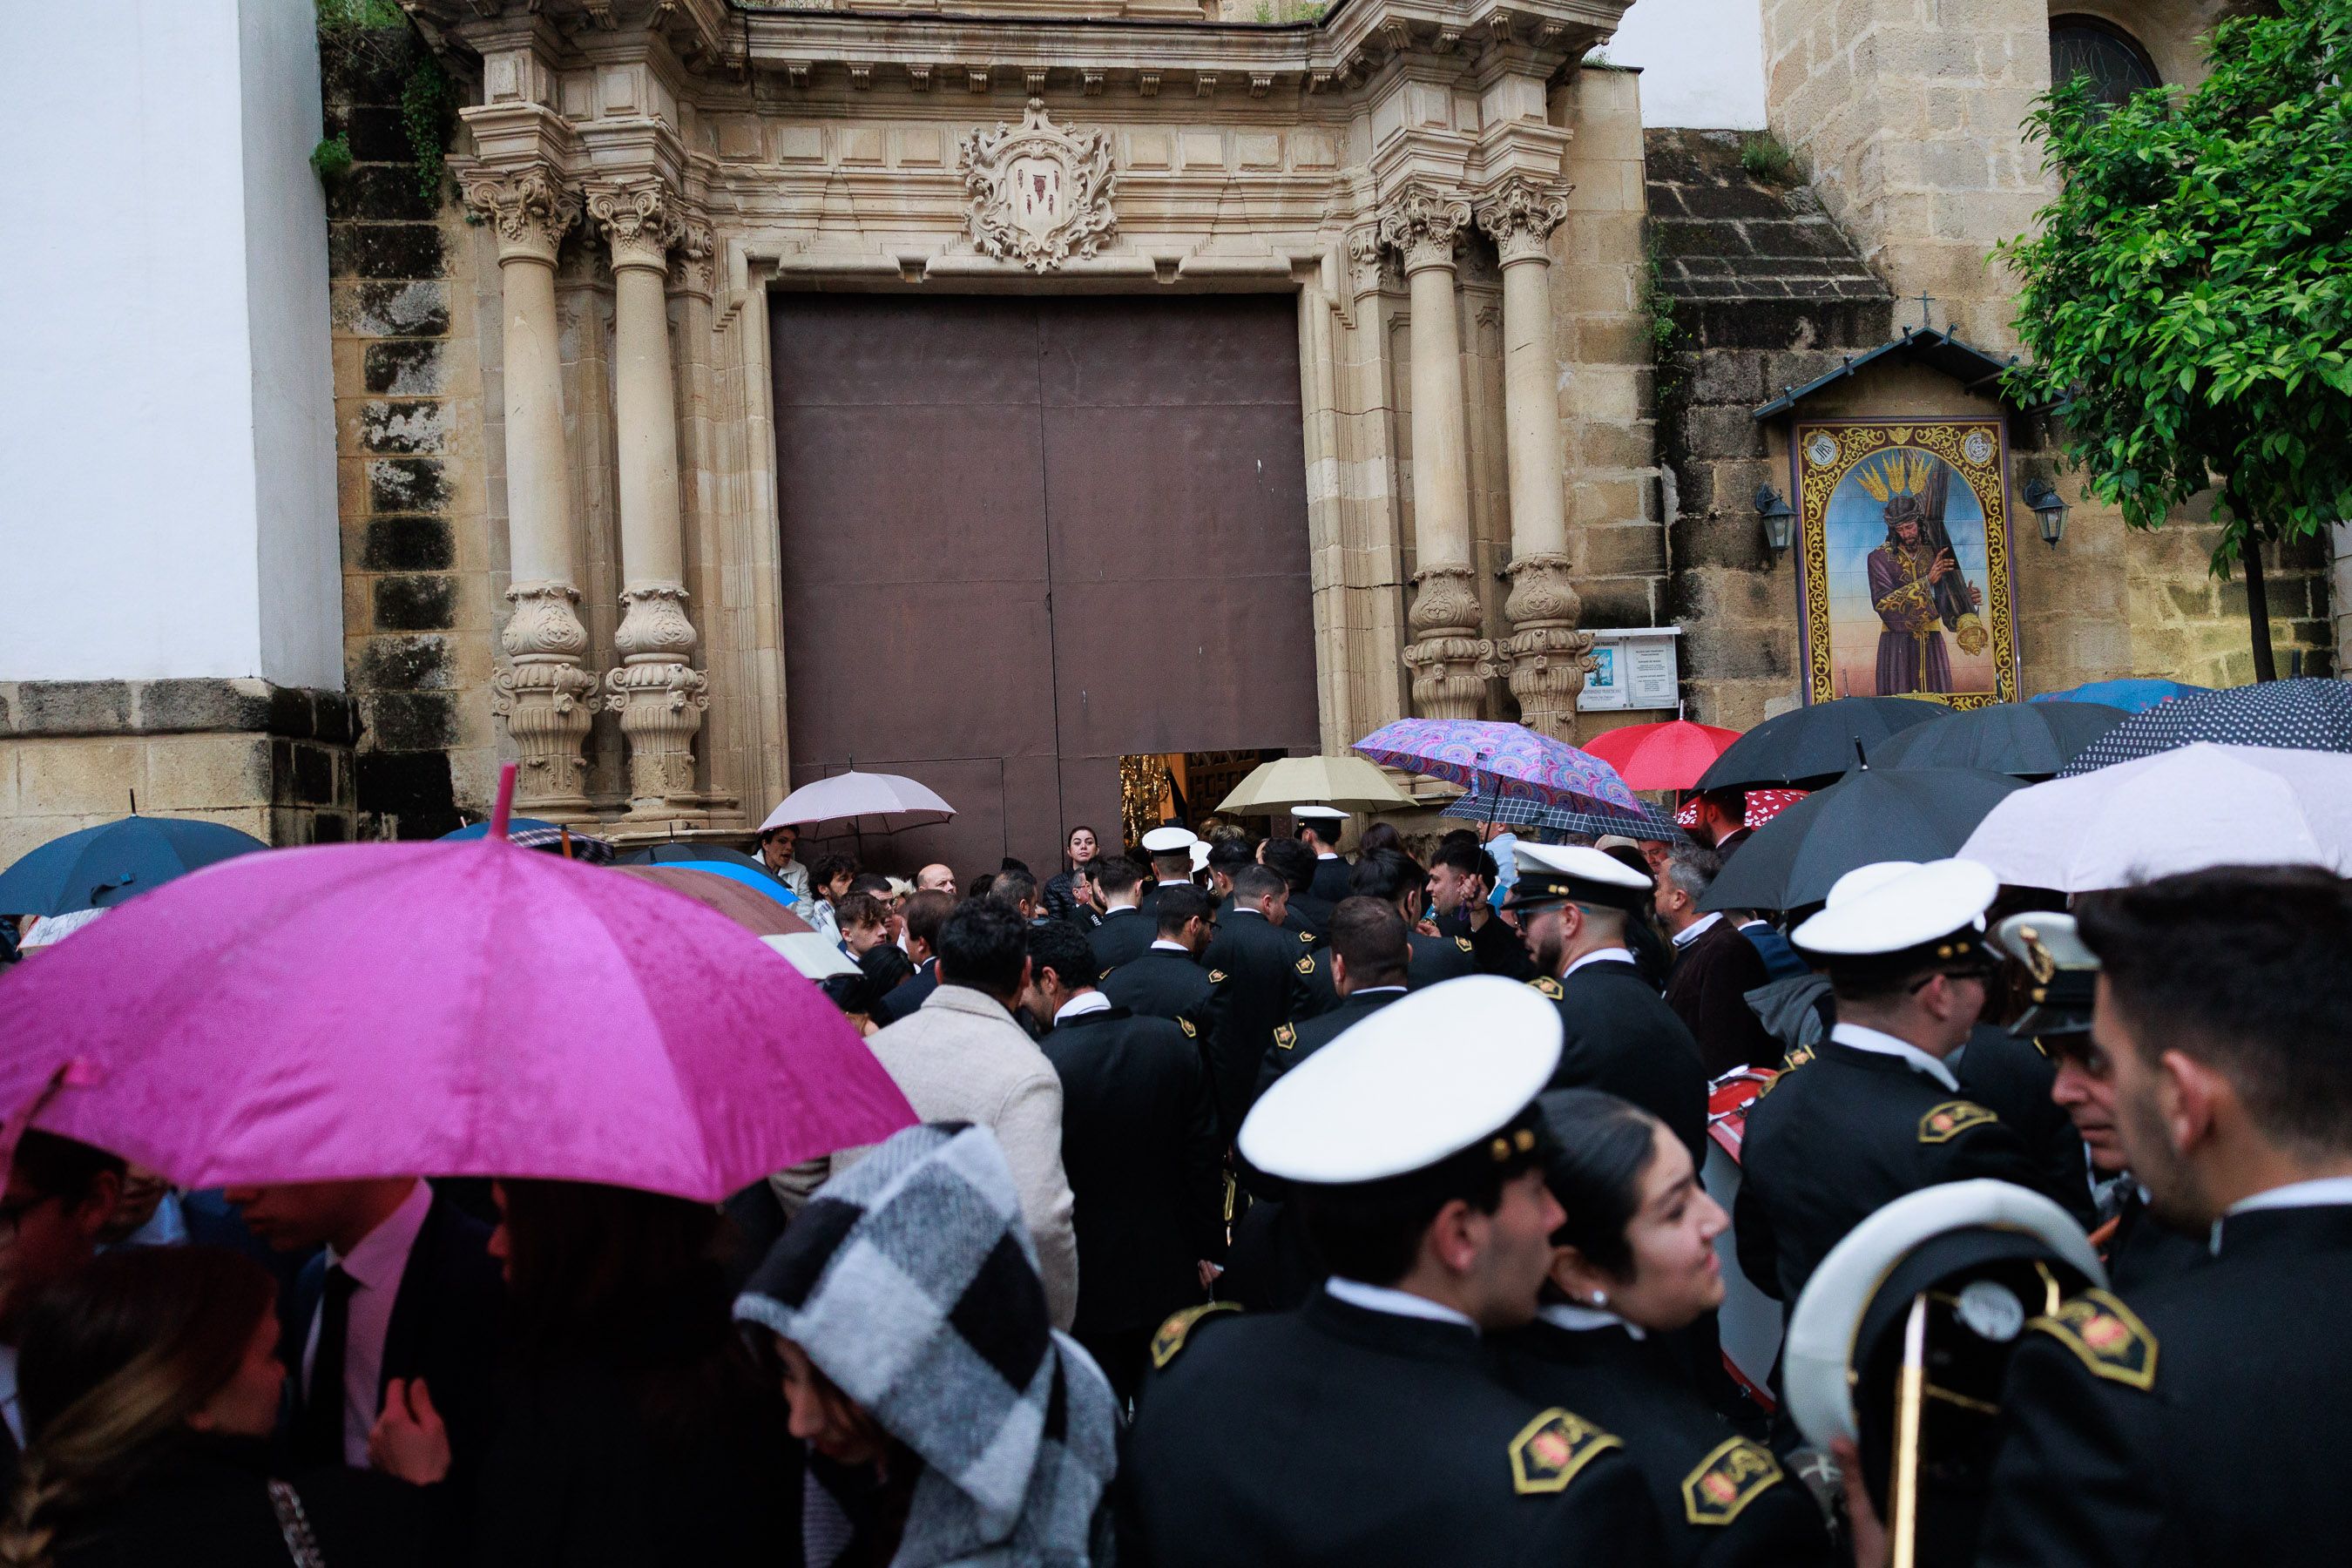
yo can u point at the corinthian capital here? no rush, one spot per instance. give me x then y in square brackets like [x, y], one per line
[1519, 215]
[530, 207]
[639, 218]
[692, 269]
[1425, 224]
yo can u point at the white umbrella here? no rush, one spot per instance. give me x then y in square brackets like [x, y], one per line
[860, 801]
[812, 954]
[2177, 811]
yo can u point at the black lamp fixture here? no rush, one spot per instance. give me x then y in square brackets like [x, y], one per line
[1778, 515]
[2048, 509]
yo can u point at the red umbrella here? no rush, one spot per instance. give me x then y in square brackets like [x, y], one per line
[1662, 756]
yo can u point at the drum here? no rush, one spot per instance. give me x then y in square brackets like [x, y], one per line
[1750, 1320]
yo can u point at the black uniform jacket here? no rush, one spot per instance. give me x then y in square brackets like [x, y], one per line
[1437, 958]
[1333, 879]
[2013, 1079]
[1139, 1142]
[1293, 1043]
[1307, 917]
[1339, 1435]
[2143, 1251]
[1848, 1132]
[1122, 936]
[2204, 1423]
[1621, 1037]
[1495, 947]
[1162, 983]
[1721, 1498]
[1253, 968]
[902, 999]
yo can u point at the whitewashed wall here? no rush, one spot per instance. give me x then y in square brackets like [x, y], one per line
[1702, 61]
[167, 495]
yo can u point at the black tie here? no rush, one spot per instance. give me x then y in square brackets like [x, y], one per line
[320, 1441]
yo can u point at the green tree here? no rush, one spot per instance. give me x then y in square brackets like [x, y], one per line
[2187, 300]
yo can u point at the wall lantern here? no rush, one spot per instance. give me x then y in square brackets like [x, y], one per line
[2049, 509]
[1778, 516]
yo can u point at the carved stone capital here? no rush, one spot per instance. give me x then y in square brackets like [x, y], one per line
[693, 261]
[1519, 215]
[638, 219]
[543, 625]
[1364, 261]
[654, 626]
[529, 208]
[1449, 659]
[1546, 657]
[1425, 224]
[660, 697]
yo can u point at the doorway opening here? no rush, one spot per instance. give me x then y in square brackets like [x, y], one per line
[1183, 787]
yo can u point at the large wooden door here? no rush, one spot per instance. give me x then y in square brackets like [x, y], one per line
[1024, 537]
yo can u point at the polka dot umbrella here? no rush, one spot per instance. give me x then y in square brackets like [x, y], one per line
[2309, 714]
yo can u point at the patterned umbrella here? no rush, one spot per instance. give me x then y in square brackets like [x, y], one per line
[1763, 806]
[1647, 823]
[2133, 694]
[1511, 760]
[2312, 714]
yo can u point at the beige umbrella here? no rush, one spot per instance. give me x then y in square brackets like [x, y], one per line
[1351, 784]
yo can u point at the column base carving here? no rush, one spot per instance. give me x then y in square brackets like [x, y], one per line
[660, 697]
[546, 697]
[1546, 656]
[1449, 659]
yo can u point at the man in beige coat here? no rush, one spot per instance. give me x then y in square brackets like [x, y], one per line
[961, 1057]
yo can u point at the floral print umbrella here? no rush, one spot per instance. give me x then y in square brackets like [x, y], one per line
[1507, 761]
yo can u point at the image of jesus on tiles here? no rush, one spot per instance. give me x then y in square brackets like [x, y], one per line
[1906, 572]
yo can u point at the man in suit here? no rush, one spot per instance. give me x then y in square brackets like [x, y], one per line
[962, 1057]
[1166, 980]
[1126, 932]
[1573, 904]
[1397, 879]
[1715, 967]
[1305, 914]
[1139, 1141]
[1319, 827]
[1170, 849]
[405, 1288]
[1722, 824]
[1461, 876]
[1254, 973]
[924, 913]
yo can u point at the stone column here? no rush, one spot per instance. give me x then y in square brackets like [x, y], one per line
[545, 694]
[1448, 656]
[1547, 655]
[659, 696]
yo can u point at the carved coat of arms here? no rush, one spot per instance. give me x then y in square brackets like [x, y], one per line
[1036, 193]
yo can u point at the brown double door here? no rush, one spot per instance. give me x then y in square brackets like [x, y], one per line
[1024, 537]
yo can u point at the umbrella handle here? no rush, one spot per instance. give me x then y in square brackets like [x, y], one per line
[503, 809]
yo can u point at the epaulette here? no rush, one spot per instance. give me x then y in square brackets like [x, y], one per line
[1550, 1450]
[1548, 986]
[1171, 1337]
[1307, 936]
[1796, 1057]
[1104, 973]
[1216, 977]
[1727, 1480]
[1464, 943]
[2106, 1337]
[1186, 1024]
[1304, 966]
[1951, 1118]
[1285, 1035]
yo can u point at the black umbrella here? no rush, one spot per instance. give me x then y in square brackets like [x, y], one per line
[2311, 714]
[671, 851]
[2026, 740]
[1871, 815]
[1812, 745]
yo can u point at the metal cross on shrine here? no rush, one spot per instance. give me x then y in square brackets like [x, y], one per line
[1927, 319]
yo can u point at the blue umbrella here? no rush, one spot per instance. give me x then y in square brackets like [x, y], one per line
[100, 867]
[2135, 694]
[2310, 714]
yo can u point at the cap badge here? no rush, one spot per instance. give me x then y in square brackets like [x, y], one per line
[1951, 1118]
[2105, 1336]
[1171, 1337]
[2037, 957]
[1550, 1450]
[1727, 1480]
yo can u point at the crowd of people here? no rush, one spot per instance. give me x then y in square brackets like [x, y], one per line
[1217, 1243]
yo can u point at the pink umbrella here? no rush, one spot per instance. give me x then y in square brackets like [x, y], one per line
[468, 1010]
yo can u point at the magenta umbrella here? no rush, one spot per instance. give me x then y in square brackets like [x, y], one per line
[467, 1009]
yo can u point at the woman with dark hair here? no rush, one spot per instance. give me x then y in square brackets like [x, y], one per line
[1635, 1260]
[634, 1428]
[1381, 835]
[150, 1384]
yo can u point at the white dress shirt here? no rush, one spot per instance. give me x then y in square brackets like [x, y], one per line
[1696, 928]
[1078, 1006]
[375, 1266]
[1599, 955]
[1395, 1303]
[1886, 1045]
[1163, 944]
[1581, 1319]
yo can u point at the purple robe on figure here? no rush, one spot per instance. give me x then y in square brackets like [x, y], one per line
[1911, 653]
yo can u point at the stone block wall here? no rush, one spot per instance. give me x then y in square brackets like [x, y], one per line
[416, 607]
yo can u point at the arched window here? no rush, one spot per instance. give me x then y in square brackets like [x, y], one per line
[2111, 57]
